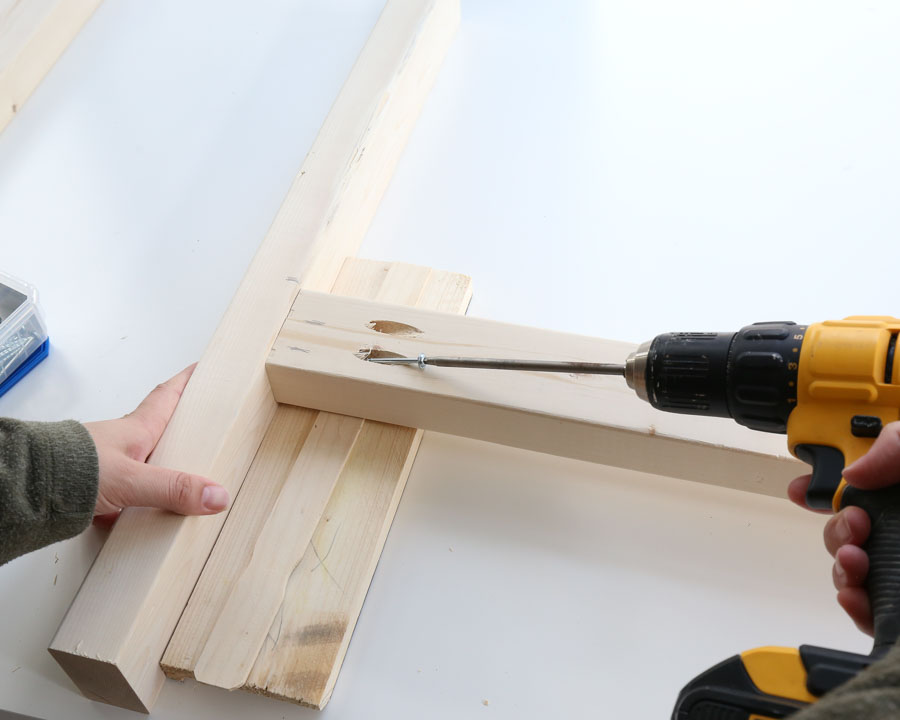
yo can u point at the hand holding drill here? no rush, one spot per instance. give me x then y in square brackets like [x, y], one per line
[847, 531]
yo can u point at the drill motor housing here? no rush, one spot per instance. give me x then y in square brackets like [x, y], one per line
[831, 387]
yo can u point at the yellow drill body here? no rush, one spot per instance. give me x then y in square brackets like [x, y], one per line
[844, 372]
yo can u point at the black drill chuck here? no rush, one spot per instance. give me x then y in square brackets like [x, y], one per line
[750, 375]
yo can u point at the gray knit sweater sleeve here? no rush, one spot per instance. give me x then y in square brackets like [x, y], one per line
[873, 695]
[48, 484]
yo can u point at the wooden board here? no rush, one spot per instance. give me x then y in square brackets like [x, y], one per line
[250, 510]
[253, 601]
[33, 34]
[114, 634]
[303, 649]
[315, 362]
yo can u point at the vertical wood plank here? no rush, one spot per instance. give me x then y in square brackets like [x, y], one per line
[301, 661]
[253, 602]
[234, 549]
[33, 35]
[118, 626]
[302, 652]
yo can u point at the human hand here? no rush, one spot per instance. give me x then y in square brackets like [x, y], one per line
[847, 530]
[123, 446]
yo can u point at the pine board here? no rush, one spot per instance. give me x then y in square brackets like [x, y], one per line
[587, 417]
[302, 651]
[114, 634]
[33, 35]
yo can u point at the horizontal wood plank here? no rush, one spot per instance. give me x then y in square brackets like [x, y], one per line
[316, 363]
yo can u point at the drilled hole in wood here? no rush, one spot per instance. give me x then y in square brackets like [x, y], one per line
[367, 353]
[390, 327]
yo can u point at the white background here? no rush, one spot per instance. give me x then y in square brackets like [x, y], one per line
[615, 169]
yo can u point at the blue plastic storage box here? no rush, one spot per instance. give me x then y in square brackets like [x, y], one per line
[23, 334]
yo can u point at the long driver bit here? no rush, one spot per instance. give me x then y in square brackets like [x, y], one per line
[503, 364]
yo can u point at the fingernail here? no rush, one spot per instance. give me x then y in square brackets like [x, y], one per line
[842, 531]
[214, 498]
[839, 571]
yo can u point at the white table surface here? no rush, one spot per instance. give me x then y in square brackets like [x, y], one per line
[615, 169]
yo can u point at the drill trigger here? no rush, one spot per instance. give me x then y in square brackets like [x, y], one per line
[827, 469]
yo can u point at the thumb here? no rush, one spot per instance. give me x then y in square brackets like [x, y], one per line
[179, 492]
[880, 466]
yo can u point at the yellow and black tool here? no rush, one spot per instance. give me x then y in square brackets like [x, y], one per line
[831, 387]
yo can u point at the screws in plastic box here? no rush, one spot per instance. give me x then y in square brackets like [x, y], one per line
[13, 350]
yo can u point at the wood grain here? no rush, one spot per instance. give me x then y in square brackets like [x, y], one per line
[33, 35]
[298, 660]
[117, 628]
[586, 417]
[258, 591]
[305, 647]
[323, 604]
[234, 549]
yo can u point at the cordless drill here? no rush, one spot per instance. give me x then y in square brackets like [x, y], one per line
[831, 387]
